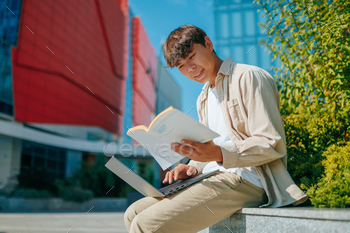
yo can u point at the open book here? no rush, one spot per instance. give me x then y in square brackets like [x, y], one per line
[169, 126]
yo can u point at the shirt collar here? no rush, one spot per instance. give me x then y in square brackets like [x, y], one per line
[224, 69]
[226, 66]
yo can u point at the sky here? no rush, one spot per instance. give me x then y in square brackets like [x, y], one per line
[160, 17]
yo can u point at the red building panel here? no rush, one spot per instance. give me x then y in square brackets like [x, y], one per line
[143, 49]
[115, 25]
[143, 85]
[124, 5]
[62, 45]
[68, 42]
[142, 115]
[40, 97]
[48, 98]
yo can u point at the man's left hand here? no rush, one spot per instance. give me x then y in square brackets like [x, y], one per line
[202, 152]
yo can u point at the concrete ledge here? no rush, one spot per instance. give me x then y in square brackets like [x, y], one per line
[284, 220]
[58, 205]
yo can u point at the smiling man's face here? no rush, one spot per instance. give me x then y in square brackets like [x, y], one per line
[199, 65]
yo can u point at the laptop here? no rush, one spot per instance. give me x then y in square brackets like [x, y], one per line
[145, 188]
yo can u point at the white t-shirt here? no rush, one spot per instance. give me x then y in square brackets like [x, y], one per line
[217, 124]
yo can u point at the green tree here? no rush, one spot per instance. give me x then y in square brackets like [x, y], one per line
[311, 41]
[333, 189]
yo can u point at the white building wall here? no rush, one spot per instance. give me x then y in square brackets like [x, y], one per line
[10, 162]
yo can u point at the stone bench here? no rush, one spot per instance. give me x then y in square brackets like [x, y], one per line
[284, 220]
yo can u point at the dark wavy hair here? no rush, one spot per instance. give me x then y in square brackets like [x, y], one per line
[179, 43]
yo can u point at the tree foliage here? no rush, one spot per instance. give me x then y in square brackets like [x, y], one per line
[333, 190]
[311, 41]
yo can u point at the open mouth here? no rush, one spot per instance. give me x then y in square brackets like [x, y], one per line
[199, 75]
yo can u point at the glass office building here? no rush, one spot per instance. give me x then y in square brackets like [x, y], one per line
[9, 18]
[237, 33]
[127, 121]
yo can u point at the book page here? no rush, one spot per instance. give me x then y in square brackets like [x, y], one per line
[176, 125]
[157, 147]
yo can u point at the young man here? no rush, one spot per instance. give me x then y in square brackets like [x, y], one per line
[241, 103]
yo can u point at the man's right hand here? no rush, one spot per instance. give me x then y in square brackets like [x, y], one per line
[180, 172]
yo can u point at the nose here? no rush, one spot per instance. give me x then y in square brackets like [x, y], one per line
[191, 67]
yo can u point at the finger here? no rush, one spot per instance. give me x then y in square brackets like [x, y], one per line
[176, 174]
[191, 171]
[195, 145]
[186, 150]
[170, 177]
[189, 143]
[165, 177]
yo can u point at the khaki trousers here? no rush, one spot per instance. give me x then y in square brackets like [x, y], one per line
[196, 207]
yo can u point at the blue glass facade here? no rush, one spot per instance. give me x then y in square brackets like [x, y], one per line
[9, 20]
[238, 33]
[127, 121]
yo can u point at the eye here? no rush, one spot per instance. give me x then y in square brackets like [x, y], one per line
[180, 67]
[192, 55]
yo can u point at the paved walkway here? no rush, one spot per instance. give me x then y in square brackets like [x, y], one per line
[62, 222]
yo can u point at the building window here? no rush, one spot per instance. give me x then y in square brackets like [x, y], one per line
[42, 158]
[251, 55]
[249, 19]
[223, 25]
[9, 14]
[224, 52]
[238, 54]
[265, 59]
[236, 24]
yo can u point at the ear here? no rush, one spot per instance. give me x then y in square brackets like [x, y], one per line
[208, 43]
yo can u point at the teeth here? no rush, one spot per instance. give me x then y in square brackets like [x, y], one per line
[198, 74]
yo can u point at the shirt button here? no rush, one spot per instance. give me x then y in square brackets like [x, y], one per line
[229, 165]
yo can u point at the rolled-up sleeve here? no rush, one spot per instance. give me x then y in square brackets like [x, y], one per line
[266, 139]
[198, 165]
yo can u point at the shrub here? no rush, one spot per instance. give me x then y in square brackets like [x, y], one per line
[75, 194]
[96, 178]
[310, 39]
[31, 193]
[68, 191]
[333, 190]
[307, 139]
[38, 179]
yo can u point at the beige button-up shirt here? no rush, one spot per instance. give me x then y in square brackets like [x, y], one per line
[250, 105]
